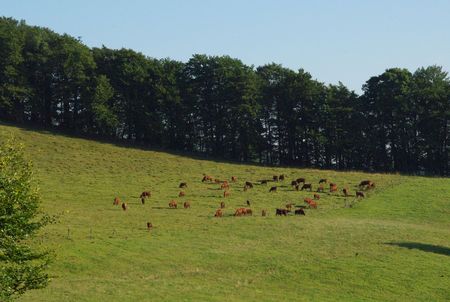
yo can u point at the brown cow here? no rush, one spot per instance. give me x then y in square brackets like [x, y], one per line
[301, 180]
[320, 188]
[360, 194]
[226, 194]
[263, 213]
[207, 178]
[124, 206]
[233, 178]
[365, 183]
[311, 202]
[280, 212]
[186, 204]
[225, 185]
[273, 189]
[146, 194]
[249, 185]
[222, 205]
[306, 186]
[281, 177]
[116, 201]
[333, 188]
[240, 212]
[275, 178]
[218, 213]
[149, 226]
[173, 204]
[248, 212]
[182, 185]
[316, 196]
[299, 212]
[346, 192]
[323, 180]
[181, 194]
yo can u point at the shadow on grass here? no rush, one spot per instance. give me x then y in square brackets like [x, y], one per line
[437, 249]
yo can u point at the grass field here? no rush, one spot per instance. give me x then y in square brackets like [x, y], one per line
[394, 245]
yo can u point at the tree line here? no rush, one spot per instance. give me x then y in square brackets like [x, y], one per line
[219, 106]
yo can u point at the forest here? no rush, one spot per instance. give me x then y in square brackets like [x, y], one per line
[219, 107]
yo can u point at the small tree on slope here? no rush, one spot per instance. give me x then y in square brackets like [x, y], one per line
[22, 266]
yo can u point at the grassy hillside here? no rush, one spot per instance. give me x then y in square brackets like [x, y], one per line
[392, 246]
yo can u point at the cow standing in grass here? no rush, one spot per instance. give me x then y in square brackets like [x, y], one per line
[307, 186]
[116, 201]
[218, 213]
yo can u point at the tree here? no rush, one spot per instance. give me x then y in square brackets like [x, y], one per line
[22, 266]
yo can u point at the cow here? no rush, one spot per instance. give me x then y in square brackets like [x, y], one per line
[346, 192]
[360, 194]
[225, 186]
[263, 213]
[333, 187]
[181, 194]
[248, 212]
[226, 194]
[207, 178]
[313, 205]
[281, 177]
[173, 204]
[311, 202]
[320, 188]
[182, 185]
[124, 206]
[145, 194]
[149, 226]
[299, 212]
[248, 203]
[116, 201]
[143, 200]
[301, 180]
[273, 189]
[294, 183]
[316, 196]
[367, 184]
[323, 180]
[186, 204]
[222, 205]
[233, 178]
[280, 212]
[275, 178]
[249, 185]
[218, 213]
[289, 206]
[306, 186]
[240, 212]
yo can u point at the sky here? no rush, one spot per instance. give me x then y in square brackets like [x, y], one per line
[347, 40]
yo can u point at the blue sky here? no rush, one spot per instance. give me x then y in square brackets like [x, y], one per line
[347, 41]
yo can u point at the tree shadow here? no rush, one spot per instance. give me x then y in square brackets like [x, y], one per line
[437, 249]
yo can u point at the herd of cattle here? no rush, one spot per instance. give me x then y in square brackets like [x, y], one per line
[298, 184]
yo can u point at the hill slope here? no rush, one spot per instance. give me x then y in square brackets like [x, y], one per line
[394, 245]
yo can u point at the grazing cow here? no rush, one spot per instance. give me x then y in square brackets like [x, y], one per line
[207, 178]
[306, 186]
[142, 200]
[280, 212]
[226, 194]
[294, 183]
[333, 187]
[360, 194]
[367, 184]
[320, 188]
[149, 226]
[240, 212]
[248, 203]
[289, 206]
[146, 194]
[323, 180]
[182, 185]
[311, 203]
[263, 213]
[186, 204]
[218, 213]
[275, 178]
[316, 196]
[281, 177]
[346, 192]
[248, 212]
[301, 180]
[173, 204]
[181, 194]
[273, 189]
[299, 212]
[124, 206]
[222, 205]
[233, 178]
[116, 201]
[249, 185]
[264, 182]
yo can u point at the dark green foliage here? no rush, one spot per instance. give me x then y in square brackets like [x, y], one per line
[22, 267]
[218, 106]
